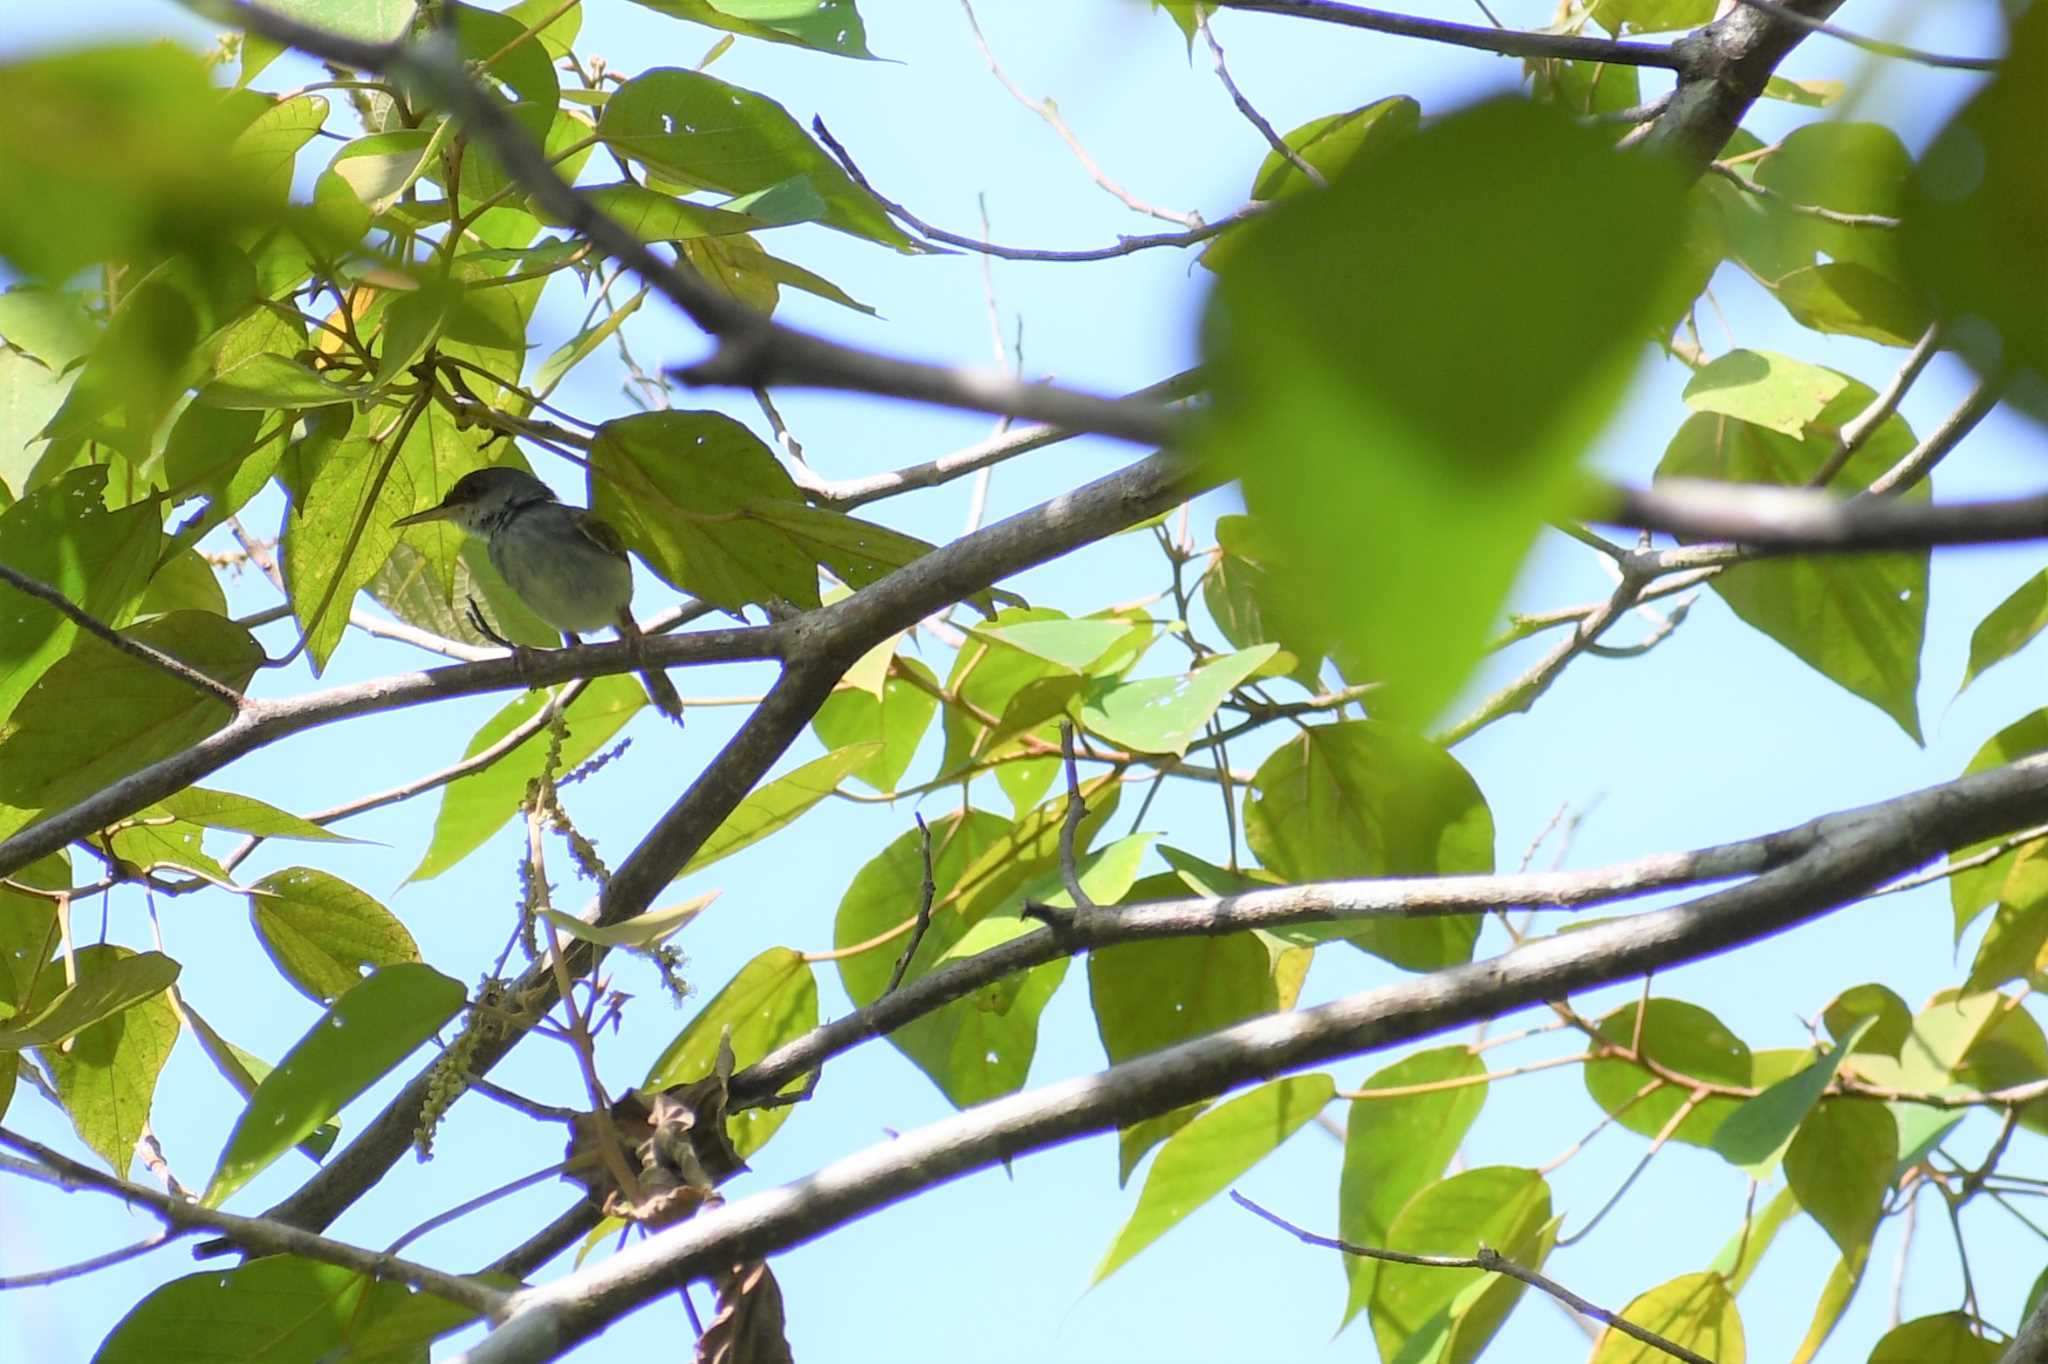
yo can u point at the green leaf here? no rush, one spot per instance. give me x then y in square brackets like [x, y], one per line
[772, 1000]
[701, 133]
[1814, 94]
[117, 985]
[2009, 628]
[1151, 995]
[1839, 1166]
[1945, 1338]
[656, 217]
[1766, 389]
[324, 934]
[1334, 141]
[381, 167]
[1890, 1021]
[1754, 1134]
[857, 552]
[476, 805]
[1693, 1311]
[53, 325]
[1504, 210]
[642, 930]
[1971, 889]
[1206, 1156]
[276, 1309]
[125, 151]
[1858, 621]
[1414, 1307]
[741, 268]
[1250, 603]
[979, 1047]
[107, 1076]
[1848, 299]
[676, 486]
[822, 25]
[1744, 1251]
[244, 1070]
[1858, 168]
[2016, 941]
[1164, 714]
[29, 933]
[368, 1030]
[100, 714]
[30, 393]
[582, 346]
[339, 535]
[243, 814]
[1979, 213]
[1651, 16]
[1395, 1147]
[1680, 1037]
[780, 803]
[897, 720]
[62, 535]
[1363, 798]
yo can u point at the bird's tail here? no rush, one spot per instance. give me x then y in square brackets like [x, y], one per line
[659, 689]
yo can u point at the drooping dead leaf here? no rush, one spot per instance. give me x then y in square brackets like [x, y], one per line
[749, 1327]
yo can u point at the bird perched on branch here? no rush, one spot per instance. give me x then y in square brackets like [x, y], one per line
[563, 562]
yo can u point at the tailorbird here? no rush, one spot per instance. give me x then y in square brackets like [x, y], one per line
[563, 562]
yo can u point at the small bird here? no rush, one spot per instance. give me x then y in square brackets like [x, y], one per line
[563, 562]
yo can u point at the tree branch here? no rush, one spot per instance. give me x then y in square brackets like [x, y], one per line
[754, 350]
[1883, 49]
[134, 648]
[1776, 520]
[1722, 68]
[1507, 42]
[1851, 852]
[817, 648]
[262, 1234]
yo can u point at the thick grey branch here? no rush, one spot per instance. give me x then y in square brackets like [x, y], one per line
[1722, 69]
[1851, 853]
[1808, 521]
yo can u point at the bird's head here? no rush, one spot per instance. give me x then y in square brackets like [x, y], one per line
[482, 497]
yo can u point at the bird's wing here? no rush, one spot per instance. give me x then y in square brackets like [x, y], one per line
[600, 533]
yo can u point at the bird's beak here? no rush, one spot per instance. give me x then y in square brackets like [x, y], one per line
[442, 512]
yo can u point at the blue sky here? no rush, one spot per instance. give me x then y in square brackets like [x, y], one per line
[1716, 734]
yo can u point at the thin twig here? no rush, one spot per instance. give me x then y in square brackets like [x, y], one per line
[1877, 45]
[1828, 215]
[37, 1278]
[1070, 821]
[1125, 245]
[1857, 431]
[1252, 115]
[134, 648]
[262, 1234]
[1507, 42]
[469, 1206]
[1488, 1259]
[1045, 109]
[926, 892]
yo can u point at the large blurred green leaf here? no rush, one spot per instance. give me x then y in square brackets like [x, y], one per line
[1979, 213]
[368, 1030]
[773, 999]
[1857, 620]
[821, 25]
[1397, 1146]
[124, 151]
[107, 1076]
[99, 713]
[63, 535]
[677, 485]
[1201, 1159]
[1363, 798]
[1410, 450]
[699, 132]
